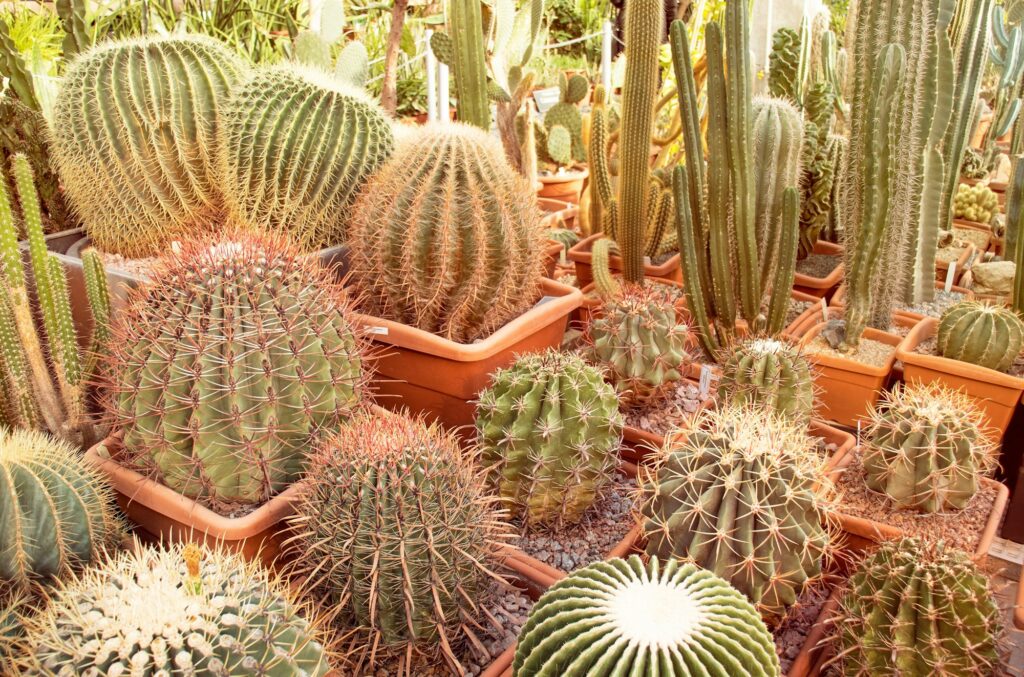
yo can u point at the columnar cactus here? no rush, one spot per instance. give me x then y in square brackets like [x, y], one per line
[771, 374]
[446, 236]
[296, 146]
[549, 429]
[135, 137]
[624, 616]
[397, 527]
[913, 609]
[180, 610]
[819, 168]
[987, 335]
[741, 494]
[226, 363]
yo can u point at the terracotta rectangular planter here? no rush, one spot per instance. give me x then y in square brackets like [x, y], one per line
[839, 300]
[942, 268]
[821, 287]
[581, 256]
[804, 320]
[565, 187]
[552, 254]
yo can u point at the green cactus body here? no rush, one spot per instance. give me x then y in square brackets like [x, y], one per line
[975, 203]
[566, 114]
[549, 429]
[353, 65]
[660, 618]
[974, 166]
[986, 335]
[446, 236]
[135, 137]
[467, 51]
[771, 374]
[225, 364]
[916, 610]
[183, 610]
[819, 166]
[296, 147]
[1014, 238]
[14, 606]
[311, 49]
[784, 65]
[741, 495]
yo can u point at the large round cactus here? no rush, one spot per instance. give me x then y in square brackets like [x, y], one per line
[741, 495]
[225, 364]
[55, 511]
[180, 611]
[769, 373]
[926, 449]
[912, 609]
[296, 146]
[446, 236]
[397, 527]
[135, 138]
[549, 428]
[625, 617]
[987, 335]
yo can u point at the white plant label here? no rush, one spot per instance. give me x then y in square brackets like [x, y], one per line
[950, 275]
[705, 380]
[379, 331]
[824, 310]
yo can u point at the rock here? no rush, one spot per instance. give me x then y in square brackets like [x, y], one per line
[995, 277]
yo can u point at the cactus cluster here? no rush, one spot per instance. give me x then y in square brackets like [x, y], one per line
[549, 429]
[1006, 61]
[914, 609]
[989, 336]
[226, 362]
[741, 494]
[769, 373]
[817, 205]
[977, 203]
[396, 526]
[974, 165]
[180, 610]
[562, 138]
[625, 616]
[446, 236]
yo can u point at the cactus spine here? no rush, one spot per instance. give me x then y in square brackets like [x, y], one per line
[989, 336]
[771, 374]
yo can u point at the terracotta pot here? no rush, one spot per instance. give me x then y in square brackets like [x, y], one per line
[640, 446]
[981, 228]
[995, 393]
[815, 652]
[821, 287]
[580, 255]
[942, 268]
[804, 320]
[565, 187]
[552, 255]
[1018, 611]
[441, 378]
[839, 300]
[978, 137]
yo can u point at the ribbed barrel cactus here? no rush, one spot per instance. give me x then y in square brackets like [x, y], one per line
[742, 495]
[987, 335]
[769, 373]
[295, 147]
[549, 429]
[926, 448]
[184, 610]
[627, 617]
[226, 362]
[397, 527]
[13, 607]
[446, 236]
[135, 137]
[914, 609]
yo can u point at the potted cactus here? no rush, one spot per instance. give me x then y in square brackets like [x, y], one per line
[559, 143]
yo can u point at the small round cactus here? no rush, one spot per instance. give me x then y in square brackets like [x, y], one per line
[184, 610]
[549, 429]
[625, 617]
[56, 512]
[742, 495]
[977, 203]
[987, 335]
[912, 609]
[226, 363]
[772, 374]
[926, 448]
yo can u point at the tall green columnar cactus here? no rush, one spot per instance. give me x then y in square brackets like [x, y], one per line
[1014, 236]
[1007, 57]
[135, 138]
[819, 168]
[469, 63]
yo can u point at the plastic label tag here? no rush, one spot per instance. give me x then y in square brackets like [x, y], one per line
[379, 331]
[824, 310]
[950, 275]
[705, 380]
[562, 261]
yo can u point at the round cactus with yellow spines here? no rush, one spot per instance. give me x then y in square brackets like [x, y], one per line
[987, 335]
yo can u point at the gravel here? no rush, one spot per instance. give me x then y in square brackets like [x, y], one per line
[930, 347]
[676, 411]
[943, 300]
[136, 267]
[796, 308]
[791, 634]
[818, 265]
[869, 352]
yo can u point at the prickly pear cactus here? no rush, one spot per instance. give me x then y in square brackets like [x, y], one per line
[227, 362]
[183, 610]
[742, 495]
[913, 609]
[625, 616]
[986, 335]
[549, 429]
[926, 448]
[563, 121]
[769, 373]
[975, 203]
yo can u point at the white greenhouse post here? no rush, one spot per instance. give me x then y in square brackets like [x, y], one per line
[431, 62]
[768, 33]
[444, 100]
[315, 9]
[606, 57]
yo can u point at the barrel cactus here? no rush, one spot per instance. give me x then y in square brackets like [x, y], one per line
[987, 335]
[741, 495]
[56, 512]
[226, 362]
[135, 136]
[772, 374]
[627, 617]
[396, 526]
[180, 611]
[296, 146]
[926, 448]
[446, 236]
[13, 608]
[549, 429]
[915, 609]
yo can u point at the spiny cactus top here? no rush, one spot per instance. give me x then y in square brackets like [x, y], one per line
[549, 428]
[180, 611]
[225, 364]
[56, 512]
[742, 495]
[447, 237]
[397, 528]
[912, 609]
[13, 606]
[987, 335]
[625, 617]
[770, 373]
[135, 138]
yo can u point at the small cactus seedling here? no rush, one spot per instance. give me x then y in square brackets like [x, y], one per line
[987, 335]
[772, 374]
